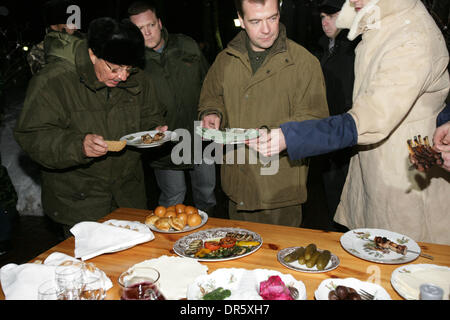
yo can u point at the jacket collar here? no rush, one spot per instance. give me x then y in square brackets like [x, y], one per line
[87, 75]
[370, 17]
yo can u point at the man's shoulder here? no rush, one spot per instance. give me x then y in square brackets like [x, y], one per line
[300, 54]
[184, 43]
[54, 74]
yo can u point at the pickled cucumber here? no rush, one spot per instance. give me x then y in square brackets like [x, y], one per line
[294, 255]
[310, 249]
[323, 259]
[301, 259]
[312, 261]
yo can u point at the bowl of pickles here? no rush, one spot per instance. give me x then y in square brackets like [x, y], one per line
[308, 259]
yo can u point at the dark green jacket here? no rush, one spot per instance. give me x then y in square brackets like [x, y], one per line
[178, 74]
[64, 102]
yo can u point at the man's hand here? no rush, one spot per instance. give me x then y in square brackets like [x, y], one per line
[94, 146]
[441, 141]
[268, 143]
[211, 121]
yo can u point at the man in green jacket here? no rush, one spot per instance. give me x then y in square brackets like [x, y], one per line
[178, 67]
[57, 34]
[262, 79]
[72, 108]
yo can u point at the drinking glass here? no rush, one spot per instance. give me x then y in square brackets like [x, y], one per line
[93, 287]
[48, 290]
[140, 283]
[69, 279]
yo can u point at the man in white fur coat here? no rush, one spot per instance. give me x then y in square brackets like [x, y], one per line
[401, 83]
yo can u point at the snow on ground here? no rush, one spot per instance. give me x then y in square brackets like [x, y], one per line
[24, 173]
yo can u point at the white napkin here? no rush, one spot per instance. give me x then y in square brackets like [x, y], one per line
[93, 238]
[176, 274]
[21, 282]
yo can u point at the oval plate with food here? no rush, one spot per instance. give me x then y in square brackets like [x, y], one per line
[229, 136]
[361, 243]
[328, 285]
[332, 264]
[187, 228]
[148, 139]
[241, 284]
[249, 242]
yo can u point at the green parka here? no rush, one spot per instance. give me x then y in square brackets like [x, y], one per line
[178, 73]
[289, 86]
[64, 102]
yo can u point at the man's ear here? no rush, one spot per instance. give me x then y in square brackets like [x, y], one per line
[92, 56]
[241, 21]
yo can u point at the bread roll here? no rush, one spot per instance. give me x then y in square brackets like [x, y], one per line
[163, 224]
[151, 219]
[177, 223]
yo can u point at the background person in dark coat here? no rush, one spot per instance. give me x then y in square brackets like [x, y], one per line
[337, 60]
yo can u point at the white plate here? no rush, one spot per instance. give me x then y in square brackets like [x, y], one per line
[332, 264]
[328, 285]
[131, 225]
[134, 139]
[182, 244]
[359, 242]
[243, 284]
[406, 280]
[187, 228]
[230, 136]
[176, 274]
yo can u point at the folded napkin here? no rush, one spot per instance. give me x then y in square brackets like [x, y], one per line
[93, 238]
[175, 274]
[21, 282]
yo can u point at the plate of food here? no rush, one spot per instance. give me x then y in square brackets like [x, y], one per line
[381, 246]
[176, 219]
[229, 136]
[243, 284]
[349, 289]
[308, 259]
[148, 139]
[218, 244]
[406, 280]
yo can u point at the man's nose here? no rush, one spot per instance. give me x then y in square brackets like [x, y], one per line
[265, 27]
[123, 75]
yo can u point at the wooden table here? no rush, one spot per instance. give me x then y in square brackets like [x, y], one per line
[274, 238]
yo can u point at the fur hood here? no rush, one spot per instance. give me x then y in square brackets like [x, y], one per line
[370, 16]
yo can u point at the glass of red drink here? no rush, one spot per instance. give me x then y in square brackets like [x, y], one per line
[140, 283]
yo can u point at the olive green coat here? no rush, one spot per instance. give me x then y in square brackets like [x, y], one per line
[178, 73]
[289, 86]
[64, 102]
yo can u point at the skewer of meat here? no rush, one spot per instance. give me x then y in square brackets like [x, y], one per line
[384, 242]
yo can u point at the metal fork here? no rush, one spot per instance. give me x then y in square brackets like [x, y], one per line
[365, 295]
[294, 292]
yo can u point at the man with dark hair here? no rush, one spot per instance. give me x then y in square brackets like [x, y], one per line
[178, 67]
[71, 108]
[263, 78]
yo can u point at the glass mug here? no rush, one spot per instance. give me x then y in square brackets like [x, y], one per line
[140, 283]
[69, 280]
